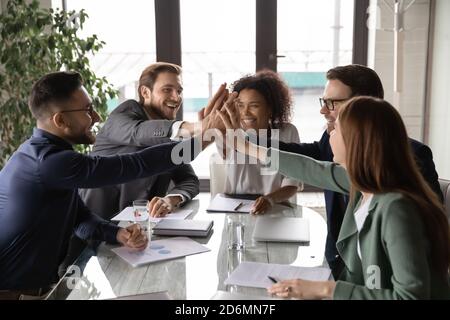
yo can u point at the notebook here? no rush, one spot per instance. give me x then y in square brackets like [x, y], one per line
[281, 229]
[194, 228]
[224, 204]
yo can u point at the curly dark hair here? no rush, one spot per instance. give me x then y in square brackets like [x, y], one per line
[274, 90]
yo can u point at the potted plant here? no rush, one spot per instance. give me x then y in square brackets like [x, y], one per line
[35, 41]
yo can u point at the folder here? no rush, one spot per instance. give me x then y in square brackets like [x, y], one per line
[193, 228]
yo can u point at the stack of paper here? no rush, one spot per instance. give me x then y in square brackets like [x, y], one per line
[255, 274]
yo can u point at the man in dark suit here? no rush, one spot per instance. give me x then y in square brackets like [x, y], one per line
[39, 204]
[343, 83]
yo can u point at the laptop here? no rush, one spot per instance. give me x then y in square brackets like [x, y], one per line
[193, 228]
[281, 229]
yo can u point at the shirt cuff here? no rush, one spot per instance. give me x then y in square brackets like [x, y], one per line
[183, 198]
[175, 130]
[110, 233]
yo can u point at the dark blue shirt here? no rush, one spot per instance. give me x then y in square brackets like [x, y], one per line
[40, 207]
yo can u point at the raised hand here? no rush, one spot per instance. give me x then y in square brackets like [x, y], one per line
[216, 102]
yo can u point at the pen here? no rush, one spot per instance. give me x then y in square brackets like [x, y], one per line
[272, 279]
[238, 206]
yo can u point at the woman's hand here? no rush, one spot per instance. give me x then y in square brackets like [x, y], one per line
[303, 289]
[236, 136]
[261, 205]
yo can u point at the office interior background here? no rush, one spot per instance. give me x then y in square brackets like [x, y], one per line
[406, 42]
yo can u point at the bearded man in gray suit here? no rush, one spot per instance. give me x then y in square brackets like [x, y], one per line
[135, 125]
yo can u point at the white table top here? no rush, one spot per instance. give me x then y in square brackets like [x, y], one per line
[200, 276]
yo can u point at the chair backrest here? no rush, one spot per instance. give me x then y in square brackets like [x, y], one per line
[445, 187]
[217, 174]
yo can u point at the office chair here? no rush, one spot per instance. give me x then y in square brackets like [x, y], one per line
[217, 174]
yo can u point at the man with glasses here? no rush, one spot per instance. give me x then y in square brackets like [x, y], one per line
[343, 83]
[39, 203]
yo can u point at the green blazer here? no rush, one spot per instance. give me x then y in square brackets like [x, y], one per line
[395, 251]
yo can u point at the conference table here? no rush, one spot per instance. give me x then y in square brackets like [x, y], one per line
[101, 274]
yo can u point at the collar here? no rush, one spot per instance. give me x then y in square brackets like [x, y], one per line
[348, 227]
[39, 133]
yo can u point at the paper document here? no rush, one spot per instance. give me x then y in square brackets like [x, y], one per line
[159, 250]
[224, 204]
[162, 295]
[255, 274]
[127, 215]
[225, 295]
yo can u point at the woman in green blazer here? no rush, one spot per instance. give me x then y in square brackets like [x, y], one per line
[394, 239]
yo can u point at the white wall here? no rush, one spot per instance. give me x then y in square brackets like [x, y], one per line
[411, 98]
[439, 128]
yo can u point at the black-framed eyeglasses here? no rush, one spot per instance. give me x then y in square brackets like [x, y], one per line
[330, 104]
[89, 109]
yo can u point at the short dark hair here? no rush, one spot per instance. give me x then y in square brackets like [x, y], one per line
[149, 75]
[53, 87]
[274, 90]
[362, 80]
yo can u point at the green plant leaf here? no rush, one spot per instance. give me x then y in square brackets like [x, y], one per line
[33, 42]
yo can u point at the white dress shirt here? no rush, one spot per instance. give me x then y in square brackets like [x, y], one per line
[246, 178]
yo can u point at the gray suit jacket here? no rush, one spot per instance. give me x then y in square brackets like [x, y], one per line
[129, 129]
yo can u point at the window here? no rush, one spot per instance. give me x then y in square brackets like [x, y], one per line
[313, 36]
[218, 45]
[128, 28]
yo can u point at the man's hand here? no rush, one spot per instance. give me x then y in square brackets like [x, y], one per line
[133, 237]
[216, 102]
[207, 116]
[159, 207]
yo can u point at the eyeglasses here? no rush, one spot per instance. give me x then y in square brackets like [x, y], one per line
[330, 104]
[89, 109]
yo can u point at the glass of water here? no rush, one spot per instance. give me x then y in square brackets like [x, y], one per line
[235, 232]
[141, 216]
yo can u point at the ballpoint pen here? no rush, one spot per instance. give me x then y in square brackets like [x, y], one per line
[272, 279]
[238, 206]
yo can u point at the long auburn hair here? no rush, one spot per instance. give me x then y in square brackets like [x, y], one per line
[379, 160]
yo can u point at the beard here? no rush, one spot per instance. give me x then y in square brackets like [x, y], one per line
[83, 138]
[161, 111]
